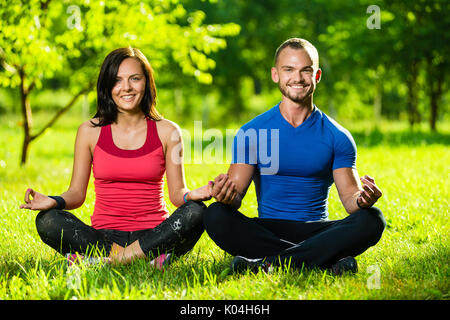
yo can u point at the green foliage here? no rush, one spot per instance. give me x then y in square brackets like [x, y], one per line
[69, 39]
[39, 43]
[398, 71]
[361, 66]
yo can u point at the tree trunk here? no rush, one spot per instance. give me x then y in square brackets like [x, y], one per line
[61, 111]
[26, 115]
[238, 106]
[412, 94]
[378, 99]
[436, 76]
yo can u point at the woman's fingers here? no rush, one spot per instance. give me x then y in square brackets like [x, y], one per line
[27, 195]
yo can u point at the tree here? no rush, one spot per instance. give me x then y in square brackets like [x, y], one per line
[44, 39]
[366, 47]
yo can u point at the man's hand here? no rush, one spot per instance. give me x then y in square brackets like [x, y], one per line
[370, 194]
[224, 190]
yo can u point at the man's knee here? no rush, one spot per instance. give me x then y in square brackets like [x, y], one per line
[216, 217]
[373, 222]
[215, 213]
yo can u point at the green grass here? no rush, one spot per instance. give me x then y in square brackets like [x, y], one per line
[411, 259]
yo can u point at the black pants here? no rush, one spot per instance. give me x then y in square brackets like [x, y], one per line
[312, 244]
[178, 234]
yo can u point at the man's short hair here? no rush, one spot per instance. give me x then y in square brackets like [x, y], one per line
[298, 43]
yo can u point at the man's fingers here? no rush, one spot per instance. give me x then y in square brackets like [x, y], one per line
[363, 202]
[218, 184]
[364, 180]
[220, 190]
[371, 184]
[368, 190]
[220, 177]
[231, 192]
[227, 193]
[364, 199]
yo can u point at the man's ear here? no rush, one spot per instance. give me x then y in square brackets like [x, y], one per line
[275, 77]
[318, 75]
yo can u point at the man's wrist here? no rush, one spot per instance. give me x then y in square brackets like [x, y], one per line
[359, 205]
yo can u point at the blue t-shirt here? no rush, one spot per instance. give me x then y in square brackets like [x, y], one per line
[294, 166]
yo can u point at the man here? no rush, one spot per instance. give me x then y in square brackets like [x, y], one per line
[308, 152]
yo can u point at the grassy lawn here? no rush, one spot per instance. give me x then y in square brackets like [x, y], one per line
[411, 261]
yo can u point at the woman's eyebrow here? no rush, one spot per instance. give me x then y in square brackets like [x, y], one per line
[132, 75]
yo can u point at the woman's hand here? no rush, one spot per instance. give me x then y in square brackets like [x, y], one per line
[200, 194]
[37, 201]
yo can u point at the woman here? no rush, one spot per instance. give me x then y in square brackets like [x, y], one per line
[129, 147]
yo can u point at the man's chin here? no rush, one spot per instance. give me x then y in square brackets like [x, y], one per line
[296, 98]
[299, 99]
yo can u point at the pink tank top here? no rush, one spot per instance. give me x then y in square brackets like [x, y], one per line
[129, 183]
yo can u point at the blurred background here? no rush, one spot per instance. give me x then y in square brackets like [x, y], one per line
[385, 63]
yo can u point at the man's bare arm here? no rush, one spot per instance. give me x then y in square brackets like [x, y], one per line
[352, 193]
[231, 188]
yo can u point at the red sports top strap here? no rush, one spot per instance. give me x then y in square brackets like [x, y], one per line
[106, 142]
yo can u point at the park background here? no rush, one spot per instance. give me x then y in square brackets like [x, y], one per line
[385, 78]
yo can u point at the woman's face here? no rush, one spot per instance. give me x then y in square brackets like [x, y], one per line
[129, 88]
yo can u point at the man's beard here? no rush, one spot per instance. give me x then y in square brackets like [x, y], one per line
[296, 98]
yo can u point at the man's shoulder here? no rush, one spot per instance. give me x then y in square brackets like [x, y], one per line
[263, 120]
[334, 127]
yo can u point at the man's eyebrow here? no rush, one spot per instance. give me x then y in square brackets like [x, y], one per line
[291, 67]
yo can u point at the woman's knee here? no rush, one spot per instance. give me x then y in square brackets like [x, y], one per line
[47, 222]
[192, 211]
[49, 225]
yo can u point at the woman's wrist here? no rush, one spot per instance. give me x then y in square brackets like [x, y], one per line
[60, 202]
[185, 197]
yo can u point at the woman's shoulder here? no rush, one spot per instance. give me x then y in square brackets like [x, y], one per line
[167, 127]
[89, 130]
[89, 126]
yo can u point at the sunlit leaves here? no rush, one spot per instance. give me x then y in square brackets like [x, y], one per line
[71, 38]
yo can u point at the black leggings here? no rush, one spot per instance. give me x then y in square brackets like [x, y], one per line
[312, 244]
[178, 234]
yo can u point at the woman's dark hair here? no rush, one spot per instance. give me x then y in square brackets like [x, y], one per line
[106, 107]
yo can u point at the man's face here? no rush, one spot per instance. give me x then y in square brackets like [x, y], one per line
[295, 74]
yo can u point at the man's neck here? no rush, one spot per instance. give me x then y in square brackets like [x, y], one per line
[296, 113]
